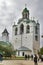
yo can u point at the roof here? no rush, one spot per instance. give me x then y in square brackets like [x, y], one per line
[26, 20]
[38, 23]
[25, 10]
[14, 25]
[23, 49]
[5, 31]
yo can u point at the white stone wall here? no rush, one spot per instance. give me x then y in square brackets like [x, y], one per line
[5, 38]
[25, 53]
[28, 39]
[36, 44]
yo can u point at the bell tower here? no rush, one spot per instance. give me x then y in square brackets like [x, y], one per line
[25, 13]
[5, 35]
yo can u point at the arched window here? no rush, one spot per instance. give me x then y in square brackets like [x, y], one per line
[27, 29]
[21, 29]
[16, 31]
[36, 30]
[36, 38]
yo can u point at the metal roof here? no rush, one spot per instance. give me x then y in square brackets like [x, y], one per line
[23, 49]
[5, 31]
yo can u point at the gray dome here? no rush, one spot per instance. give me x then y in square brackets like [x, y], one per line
[23, 49]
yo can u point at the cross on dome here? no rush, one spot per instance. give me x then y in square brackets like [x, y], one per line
[25, 5]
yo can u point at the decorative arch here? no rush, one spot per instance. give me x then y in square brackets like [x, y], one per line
[16, 29]
[27, 29]
[21, 29]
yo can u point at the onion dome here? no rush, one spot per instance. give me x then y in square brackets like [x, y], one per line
[25, 13]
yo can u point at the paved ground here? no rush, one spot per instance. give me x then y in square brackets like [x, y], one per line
[18, 62]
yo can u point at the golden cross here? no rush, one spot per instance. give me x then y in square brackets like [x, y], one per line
[25, 5]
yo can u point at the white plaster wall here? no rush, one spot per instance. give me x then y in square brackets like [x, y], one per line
[28, 40]
[5, 38]
[17, 42]
[36, 44]
[25, 53]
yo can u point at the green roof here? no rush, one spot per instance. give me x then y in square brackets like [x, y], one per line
[21, 19]
[25, 10]
[26, 20]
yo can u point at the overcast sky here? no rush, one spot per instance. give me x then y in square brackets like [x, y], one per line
[10, 11]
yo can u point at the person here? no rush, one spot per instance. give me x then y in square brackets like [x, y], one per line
[35, 60]
[32, 57]
[28, 57]
[41, 57]
[1, 57]
[25, 57]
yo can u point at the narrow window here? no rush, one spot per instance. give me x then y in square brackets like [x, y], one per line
[36, 30]
[27, 29]
[16, 31]
[21, 29]
[36, 38]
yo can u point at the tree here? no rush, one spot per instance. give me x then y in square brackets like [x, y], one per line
[41, 51]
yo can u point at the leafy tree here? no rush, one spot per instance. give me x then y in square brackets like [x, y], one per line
[6, 48]
[41, 51]
[7, 54]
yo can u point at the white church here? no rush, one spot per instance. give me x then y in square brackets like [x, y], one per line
[26, 35]
[5, 36]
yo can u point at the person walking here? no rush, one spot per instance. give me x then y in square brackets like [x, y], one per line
[35, 60]
[28, 57]
[25, 57]
[31, 57]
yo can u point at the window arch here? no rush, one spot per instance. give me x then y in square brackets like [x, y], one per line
[27, 29]
[36, 38]
[21, 29]
[36, 30]
[16, 29]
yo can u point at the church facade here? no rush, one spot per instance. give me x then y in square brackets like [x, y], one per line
[26, 35]
[5, 35]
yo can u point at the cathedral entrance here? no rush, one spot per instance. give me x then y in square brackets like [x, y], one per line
[18, 53]
[23, 54]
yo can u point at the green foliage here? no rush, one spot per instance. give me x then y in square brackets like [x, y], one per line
[7, 54]
[41, 51]
[6, 48]
[13, 53]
